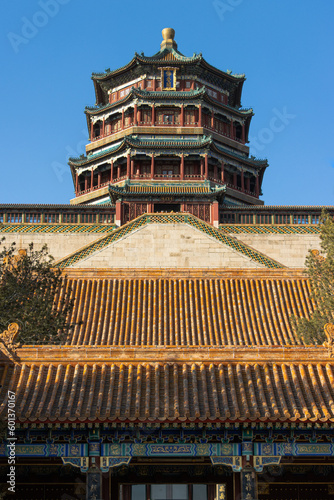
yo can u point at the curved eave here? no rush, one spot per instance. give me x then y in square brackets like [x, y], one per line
[158, 144]
[149, 95]
[163, 95]
[97, 77]
[224, 74]
[120, 192]
[261, 164]
[161, 57]
[77, 162]
[95, 111]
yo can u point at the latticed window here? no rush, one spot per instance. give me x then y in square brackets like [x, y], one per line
[88, 218]
[51, 218]
[70, 218]
[106, 218]
[33, 218]
[263, 219]
[301, 219]
[282, 219]
[228, 218]
[245, 218]
[14, 217]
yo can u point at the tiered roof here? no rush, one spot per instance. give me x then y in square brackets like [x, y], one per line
[195, 64]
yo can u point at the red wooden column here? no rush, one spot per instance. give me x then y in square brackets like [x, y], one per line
[243, 133]
[248, 184]
[152, 166]
[182, 115]
[118, 213]
[149, 207]
[135, 117]
[154, 85]
[132, 168]
[223, 173]
[86, 182]
[231, 130]
[206, 166]
[99, 179]
[153, 115]
[91, 130]
[118, 171]
[112, 171]
[182, 168]
[128, 164]
[215, 213]
[122, 119]
[257, 187]
[103, 127]
[212, 120]
[202, 167]
[200, 115]
[242, 181]
[235, 179]
[76, 183]
[91, 179]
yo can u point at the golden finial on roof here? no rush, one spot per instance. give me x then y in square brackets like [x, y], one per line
[168, 42]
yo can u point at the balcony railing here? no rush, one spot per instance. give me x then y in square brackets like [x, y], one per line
[164, 124]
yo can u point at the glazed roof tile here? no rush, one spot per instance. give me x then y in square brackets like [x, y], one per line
[184, 392]
[184, 312]
[165, 188]
[56, 228]
[163, 95]
[269, 229]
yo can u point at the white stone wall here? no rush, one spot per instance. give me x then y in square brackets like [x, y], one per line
[167, 246]
[59, 245]
[288, 249]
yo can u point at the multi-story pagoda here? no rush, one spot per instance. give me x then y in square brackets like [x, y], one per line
[168, 134]
[183, 378]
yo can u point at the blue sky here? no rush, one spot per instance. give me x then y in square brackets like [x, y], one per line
[51, 47]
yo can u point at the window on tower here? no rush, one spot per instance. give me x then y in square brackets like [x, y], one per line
[168, 119]
[96, 130]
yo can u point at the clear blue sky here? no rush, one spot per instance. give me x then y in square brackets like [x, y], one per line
[51, 47]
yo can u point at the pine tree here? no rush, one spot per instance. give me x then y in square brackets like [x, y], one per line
[320, 271]
[28, 288]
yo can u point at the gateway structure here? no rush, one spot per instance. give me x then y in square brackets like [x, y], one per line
[183, 379]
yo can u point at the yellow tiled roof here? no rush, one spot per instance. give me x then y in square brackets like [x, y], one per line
[148, 311]
[170, 391]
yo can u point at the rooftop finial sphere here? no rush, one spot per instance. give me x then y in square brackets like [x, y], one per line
[168, 34]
